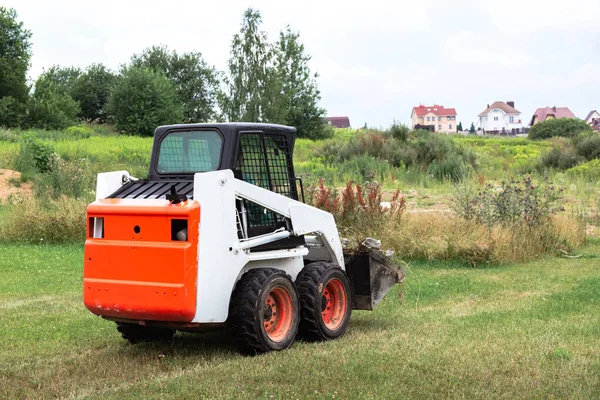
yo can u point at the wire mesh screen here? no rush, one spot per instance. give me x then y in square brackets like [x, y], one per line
[265, 161]
[184, 152]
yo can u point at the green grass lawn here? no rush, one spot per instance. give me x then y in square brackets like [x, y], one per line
[523, 331]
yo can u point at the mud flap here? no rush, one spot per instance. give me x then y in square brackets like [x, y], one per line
[372, 275]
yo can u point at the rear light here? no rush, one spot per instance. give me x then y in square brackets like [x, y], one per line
[96, 227]
[179, 230]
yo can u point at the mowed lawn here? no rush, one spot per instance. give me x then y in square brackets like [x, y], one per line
[523, 331]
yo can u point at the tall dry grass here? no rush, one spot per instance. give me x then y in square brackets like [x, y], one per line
[445, 236]
[40, 221]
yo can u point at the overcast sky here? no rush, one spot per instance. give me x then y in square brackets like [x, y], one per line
[376, 59]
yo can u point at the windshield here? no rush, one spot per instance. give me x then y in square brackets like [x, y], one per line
[189, 152]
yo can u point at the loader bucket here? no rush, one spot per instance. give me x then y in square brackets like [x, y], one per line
[372, 275]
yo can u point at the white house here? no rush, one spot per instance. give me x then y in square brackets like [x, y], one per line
[501, 118]
[592, 117]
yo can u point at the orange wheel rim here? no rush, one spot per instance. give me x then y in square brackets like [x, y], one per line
[333, 304]
[278, 313]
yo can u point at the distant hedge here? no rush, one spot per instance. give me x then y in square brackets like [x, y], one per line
[563, 127]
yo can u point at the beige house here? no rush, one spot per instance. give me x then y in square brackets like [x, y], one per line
[435, 118]
[545, 113]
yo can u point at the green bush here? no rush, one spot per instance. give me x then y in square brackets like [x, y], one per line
[559, 158]
[421, 150]
[589, 147]
[74, 179]
[79, 132]
[142, 100]
[450, 168]
[400, 132]
[589, 170]
[33, 155]
[562, 127]
[510, 203]
[49, 109]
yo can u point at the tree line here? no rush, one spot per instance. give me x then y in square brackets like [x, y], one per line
[264, 82]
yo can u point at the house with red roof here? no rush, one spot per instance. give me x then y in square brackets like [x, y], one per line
[338, 122]
[543, 114]
[436, 118]
[501, 118]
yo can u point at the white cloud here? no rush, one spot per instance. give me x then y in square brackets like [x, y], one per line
[523, 16]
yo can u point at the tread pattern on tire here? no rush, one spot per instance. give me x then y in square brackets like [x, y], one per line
[307, 283]
[245, 329]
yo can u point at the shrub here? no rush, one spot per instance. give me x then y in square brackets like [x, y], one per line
[66, 178]
[142, 100]
[589, 170]
[563, 127]
[450, 168]
[511, 203]
[79, 132]
[558, 158]
[439, 154]
[589, 147]
[33, 155]
[400, 132]
[359, 209]
[49, 109]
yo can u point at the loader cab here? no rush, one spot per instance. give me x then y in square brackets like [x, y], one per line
[260, 154]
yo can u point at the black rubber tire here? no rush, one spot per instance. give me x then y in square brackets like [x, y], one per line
[135, 333]
[247, 313]
[310, 282]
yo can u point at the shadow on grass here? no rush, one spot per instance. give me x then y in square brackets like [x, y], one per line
[207, 345]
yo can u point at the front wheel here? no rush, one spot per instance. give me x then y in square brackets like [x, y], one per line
[325, 302]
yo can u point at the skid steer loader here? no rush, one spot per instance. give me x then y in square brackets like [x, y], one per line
[216, 236]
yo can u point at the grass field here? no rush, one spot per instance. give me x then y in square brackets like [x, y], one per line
[520, 331]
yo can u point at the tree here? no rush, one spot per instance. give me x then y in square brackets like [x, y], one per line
[472, 128]
[299, 91]
[91, 90]
[195, 81]
[459, 128]
[50, 106]
[60, 79]
[15, 53]
[250, 84]
[564, 127]
[143, 99]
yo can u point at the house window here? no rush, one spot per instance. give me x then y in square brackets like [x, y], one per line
[511, 119]
[495, 118]
[439, 127]
[427, 118]
[450, 126]
[439, 118]
[453, 118]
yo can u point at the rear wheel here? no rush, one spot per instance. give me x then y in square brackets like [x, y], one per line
[135, 333]
[264, 311]
[325, 303]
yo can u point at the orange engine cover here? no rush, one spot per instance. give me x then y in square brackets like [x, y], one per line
[136, 270]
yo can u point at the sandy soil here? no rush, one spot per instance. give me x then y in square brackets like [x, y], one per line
[8, 178]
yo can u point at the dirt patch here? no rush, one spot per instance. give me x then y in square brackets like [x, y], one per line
[10, 184]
